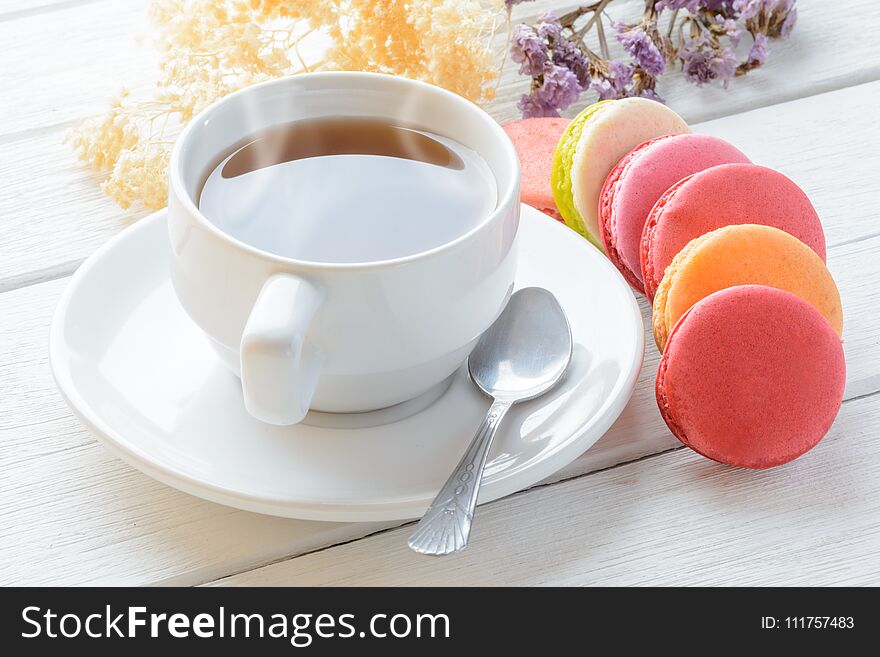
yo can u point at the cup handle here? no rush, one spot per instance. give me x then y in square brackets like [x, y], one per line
[279, 371]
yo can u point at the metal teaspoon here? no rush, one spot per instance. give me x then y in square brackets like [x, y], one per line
[522, 356]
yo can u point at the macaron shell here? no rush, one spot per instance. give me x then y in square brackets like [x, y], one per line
[742, 255]
[609, 136]
[721, 196]
[560, 179]
[640, 179]
[609, 241]
[535, 142]
[752, 377]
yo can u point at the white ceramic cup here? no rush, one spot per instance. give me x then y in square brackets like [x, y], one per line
[340, 337]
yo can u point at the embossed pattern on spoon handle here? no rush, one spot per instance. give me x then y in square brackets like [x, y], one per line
[446, 525]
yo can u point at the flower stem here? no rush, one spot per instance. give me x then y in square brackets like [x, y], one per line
[567, 20]
[603, 43]
[596, 10]
[671, 23]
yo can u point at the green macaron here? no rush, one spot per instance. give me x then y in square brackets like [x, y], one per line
[560, 178]
[591, 147]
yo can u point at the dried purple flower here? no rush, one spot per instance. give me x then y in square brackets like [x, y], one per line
[759, 50]
[788, 24]
[604, 88]
[569, 55]
[560, 87]
[702, 63]
[613, 83]
[642, 49]
[531, 107]
[695, 64]
[645, 86]
[780, 6]
[764, 15]
[528, 50]
[724, 64]
[549, 28]
[622, 73]
[651, 94]
[748, 9]
[732, 29]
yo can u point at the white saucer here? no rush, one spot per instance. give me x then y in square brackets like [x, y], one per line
[143, 378]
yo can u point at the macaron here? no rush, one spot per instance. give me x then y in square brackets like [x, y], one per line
[721, 196]
[753, 376]
[535, 142]
[639, 179]
[593, 144]
[741, 255]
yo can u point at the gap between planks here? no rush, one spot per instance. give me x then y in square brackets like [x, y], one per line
[45, 8]
[45, 275]
[66, 269]
[385, 530]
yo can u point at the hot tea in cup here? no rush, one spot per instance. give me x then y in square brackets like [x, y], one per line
[348, 189]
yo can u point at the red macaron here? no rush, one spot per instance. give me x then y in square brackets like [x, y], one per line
[722, 196]
[535, 142]
[751, 376]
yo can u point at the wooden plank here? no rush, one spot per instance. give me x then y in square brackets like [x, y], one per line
[13, 9]
[674, 519]
[55, 215]
[61, 66]
[823, 143]
[70, 513]
[861, 327]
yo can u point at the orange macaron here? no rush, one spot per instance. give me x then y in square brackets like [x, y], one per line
[744, 254]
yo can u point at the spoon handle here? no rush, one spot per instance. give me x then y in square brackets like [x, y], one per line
[446, 525]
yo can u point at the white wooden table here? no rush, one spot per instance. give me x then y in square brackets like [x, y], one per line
[635, 509]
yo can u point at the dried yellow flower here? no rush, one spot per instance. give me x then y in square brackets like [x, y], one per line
[210, 48]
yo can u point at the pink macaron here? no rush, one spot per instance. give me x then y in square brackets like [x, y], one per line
[639, 179]
[752, 376]
[722, 196]
[535, 142]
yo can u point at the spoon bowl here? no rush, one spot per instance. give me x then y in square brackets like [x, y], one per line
[524, 355]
